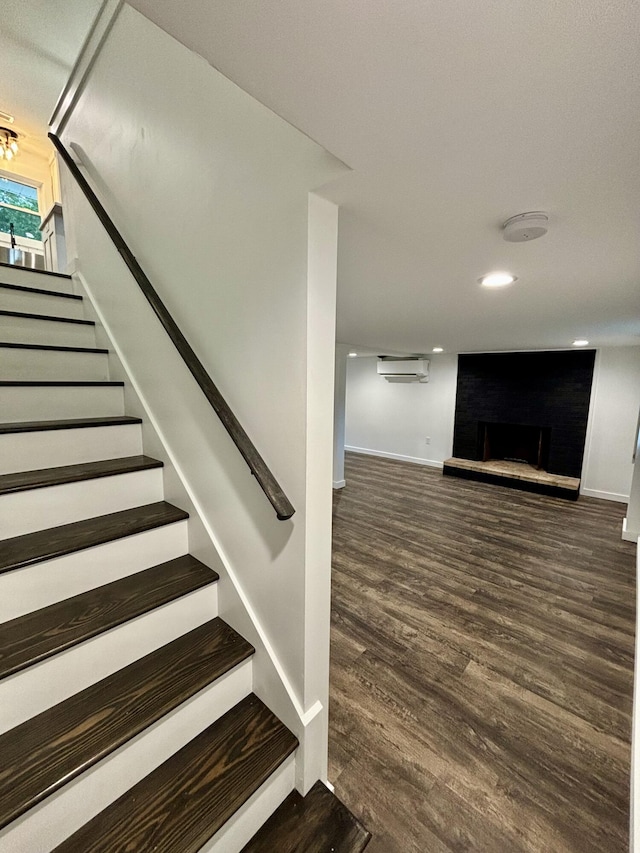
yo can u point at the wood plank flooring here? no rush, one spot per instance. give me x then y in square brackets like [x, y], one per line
[482, 665]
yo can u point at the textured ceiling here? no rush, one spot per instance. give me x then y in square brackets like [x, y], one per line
[453, 117]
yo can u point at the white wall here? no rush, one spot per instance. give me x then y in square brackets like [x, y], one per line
[321, 327]
[394, 419]
[339, 404]
[613, 416]
[211, 190]
[631, 527]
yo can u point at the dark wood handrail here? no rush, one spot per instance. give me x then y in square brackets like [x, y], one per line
[270, 486]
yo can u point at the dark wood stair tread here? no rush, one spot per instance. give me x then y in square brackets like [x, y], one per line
[40, 291]
[42, 754]
[32, 548]
[52, 347]
[80, 383]
[185, 801]
[317, 823]
[68, 423]
[42, 633]
[34, 272]
[24, 480]
[26, 315]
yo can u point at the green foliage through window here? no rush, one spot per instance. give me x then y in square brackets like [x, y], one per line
[19, 195]
[24, 224]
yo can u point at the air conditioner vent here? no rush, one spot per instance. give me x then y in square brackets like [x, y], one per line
[404, 369]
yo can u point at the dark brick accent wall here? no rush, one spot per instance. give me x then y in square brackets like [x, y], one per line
[547, 389]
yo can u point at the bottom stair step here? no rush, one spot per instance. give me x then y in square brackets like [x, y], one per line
[185, 801]
[317, 823]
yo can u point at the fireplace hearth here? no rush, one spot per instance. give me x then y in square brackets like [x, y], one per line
[514, 443]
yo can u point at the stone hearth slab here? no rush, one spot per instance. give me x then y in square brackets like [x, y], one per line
[515, 475]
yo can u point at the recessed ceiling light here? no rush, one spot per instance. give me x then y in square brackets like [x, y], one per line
[353, 354]
[438, 349]
[581, 343]
[497, 279]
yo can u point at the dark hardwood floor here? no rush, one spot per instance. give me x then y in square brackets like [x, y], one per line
[482, 665]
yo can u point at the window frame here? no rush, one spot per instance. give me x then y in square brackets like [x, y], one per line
[24, 242]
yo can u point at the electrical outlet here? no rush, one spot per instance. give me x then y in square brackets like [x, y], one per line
[427, 440]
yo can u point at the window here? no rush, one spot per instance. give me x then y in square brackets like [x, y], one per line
[17, 205]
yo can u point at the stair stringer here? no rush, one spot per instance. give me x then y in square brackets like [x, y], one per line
[270, 680]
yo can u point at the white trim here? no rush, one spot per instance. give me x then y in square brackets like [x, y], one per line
[339, 484]
[26, 243]
[628, 535]
[92, 46]
[605, 496]
[17, 178]
[416, 460]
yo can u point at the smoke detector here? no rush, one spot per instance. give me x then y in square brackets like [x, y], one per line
[525, 227]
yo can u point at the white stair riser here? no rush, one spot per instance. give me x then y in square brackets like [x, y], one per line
[48, 824]
[40, 303]
[33, 587]
[38, 365]
[26, 330]
[39, 509]
[28, 451]
[28, 278]
[42, 685]
[56, 402]
[243, 825]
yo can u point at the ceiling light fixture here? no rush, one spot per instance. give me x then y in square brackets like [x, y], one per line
[8, 143]
[497, 279]
[353, 354]
[437, 349]
[580, 342]
[7, 117]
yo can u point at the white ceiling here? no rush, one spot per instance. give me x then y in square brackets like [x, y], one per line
[453, 115]
[39, 42]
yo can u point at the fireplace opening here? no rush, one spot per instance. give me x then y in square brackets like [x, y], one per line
[514, 443]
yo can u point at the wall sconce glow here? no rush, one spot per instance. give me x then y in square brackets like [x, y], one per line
[353, 354]
[580, 343]
[437, 349]
[497, 279]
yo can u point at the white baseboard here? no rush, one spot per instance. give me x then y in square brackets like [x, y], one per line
[605, 496]
[629, 535]
[339, 484]
[416, 460]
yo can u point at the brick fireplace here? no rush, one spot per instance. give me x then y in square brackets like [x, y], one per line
[529, 409]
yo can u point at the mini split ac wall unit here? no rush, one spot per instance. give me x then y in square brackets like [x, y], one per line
[404, 370]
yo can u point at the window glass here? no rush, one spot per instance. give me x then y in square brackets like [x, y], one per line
[16, 202]
[24, 224]
[19, 195]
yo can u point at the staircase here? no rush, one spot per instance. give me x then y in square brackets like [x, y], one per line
[127, 718]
